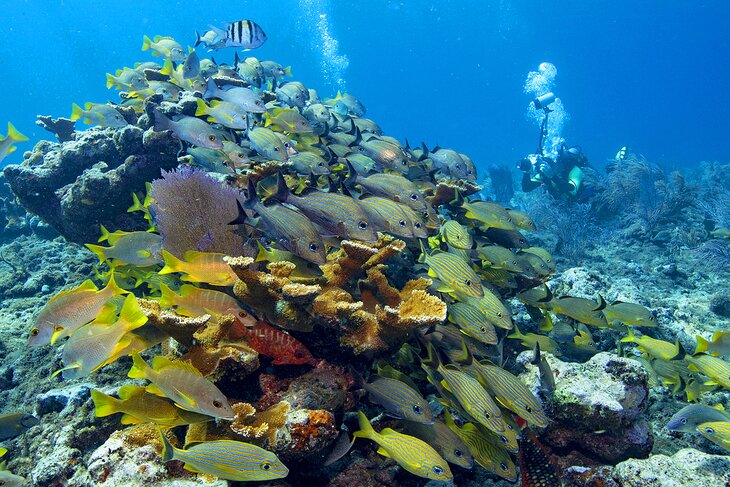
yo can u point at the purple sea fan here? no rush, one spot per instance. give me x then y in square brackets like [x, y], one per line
[192, 211]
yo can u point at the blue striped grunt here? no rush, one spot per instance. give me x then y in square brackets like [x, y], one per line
[227, 459]
[447, 443]
[455, 274]
[411, 453]
[399, 400]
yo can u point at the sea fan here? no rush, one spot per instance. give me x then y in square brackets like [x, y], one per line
[192, 211]
[715, 254]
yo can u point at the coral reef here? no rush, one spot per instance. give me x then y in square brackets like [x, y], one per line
[75, 186]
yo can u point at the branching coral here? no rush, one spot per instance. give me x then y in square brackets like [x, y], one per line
[573, 225]
[193, 211]
[387, 319]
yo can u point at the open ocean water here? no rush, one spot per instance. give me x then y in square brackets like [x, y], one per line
[382, 243]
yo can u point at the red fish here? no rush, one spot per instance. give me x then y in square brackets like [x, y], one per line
[272, 342]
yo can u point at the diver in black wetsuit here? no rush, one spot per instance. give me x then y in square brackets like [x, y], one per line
[560, 176]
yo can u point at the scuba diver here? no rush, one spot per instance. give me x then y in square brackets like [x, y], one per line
[562, 175]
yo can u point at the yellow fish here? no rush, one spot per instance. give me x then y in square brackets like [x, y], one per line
[491, 306]
[195, 301]
[717, 432]
[139, 406]
[488, 455]
[184, 384]
[456, 275]
[207, 267]
[6, 143]
[101, 341]
[69, 310]
[629, 314]
[656, 348]
[581, 309]
[713, 367]
[414, 455]
[546, 343]
[227, 459]
[720, 344]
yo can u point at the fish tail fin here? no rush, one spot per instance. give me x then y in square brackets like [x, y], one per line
[516, 333]
[104, 405]
[433, 359]
[76, 111]
[146, 43]
[172, 263]
[287, 71]
[366, 429]
[198, 40]
[424, 254]
[629, 338]
[168, 451]
[104, 234]
[211, 88]
[202, 108]
[111, 81]
[262, 254]
[139, 367]
[465, 357]
[282, 190]
[702, 345]
[267, 119]
[351, 173]
[98, 251]
[131, 314]
[13, 134]
[136, 205]
[112, 287]
[168, 297]
[161, 121]
[167, 68]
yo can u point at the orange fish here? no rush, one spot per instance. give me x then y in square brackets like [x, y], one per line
[272, 342]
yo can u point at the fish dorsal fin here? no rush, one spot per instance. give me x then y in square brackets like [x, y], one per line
[153, 389]
[718, 406]
[125, 392]
[388, 432]
[161, 362]
[601, 304]
[87, 285]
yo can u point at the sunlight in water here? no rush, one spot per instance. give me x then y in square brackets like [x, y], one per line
[538, 83]
[333, 63]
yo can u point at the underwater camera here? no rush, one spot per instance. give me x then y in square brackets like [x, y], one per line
[542, 101]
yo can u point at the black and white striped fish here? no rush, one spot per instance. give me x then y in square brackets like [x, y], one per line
[246, 34]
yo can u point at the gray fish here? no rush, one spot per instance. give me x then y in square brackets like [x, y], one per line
[444, 441]
[337, 214]
[191, 66]
[246, 98]
[306, 163]
[388, 215]
[266, 143]
[275, 70]
[190, 129]
[245, 34]
[287, 227]
[293, 94]
[451, 163]
[689, 417]
[361, 163]
[400, 400]
[384, 153]
[392, 186]
[15, 424]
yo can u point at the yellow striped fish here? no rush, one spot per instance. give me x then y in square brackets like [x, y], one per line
[521, 219]
[487, 454]
[544, 255]
[411, 453]
[267, 144]
[456, 235]
[227, 459]
[207, 267]
[509, 391]
[717, 432]
[713, 367]
[659, 349]
[472, 322]
[447, 443]
[581, 309]
[69, 310]
[498, 257]
[490, 214]
[455, 274]
[469, 394]
[400, 400]
[387, 215]
[492, 308]
[195, 301]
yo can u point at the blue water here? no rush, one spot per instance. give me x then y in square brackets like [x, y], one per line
[653, 75]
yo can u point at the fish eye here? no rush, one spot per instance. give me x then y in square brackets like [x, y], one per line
[34, 332]
[487, 415]
[709, 431]
[458, 237]
[504, 439]
[313, 247]
[361, 149]
[320, 164]
[468, 282]
[483, 329]
[499, 314]
[417, 225]
[503, 466]
[458, 453]
[362, 225]
[684, 420]
[298, 354]
[528, 409]
[276, 149]
[242, 314]
[509, 426]
[514, 262]
[417, 409]
[438, 470]
[240, 154]
[217, 404]
[211, 138]
[266, 466]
